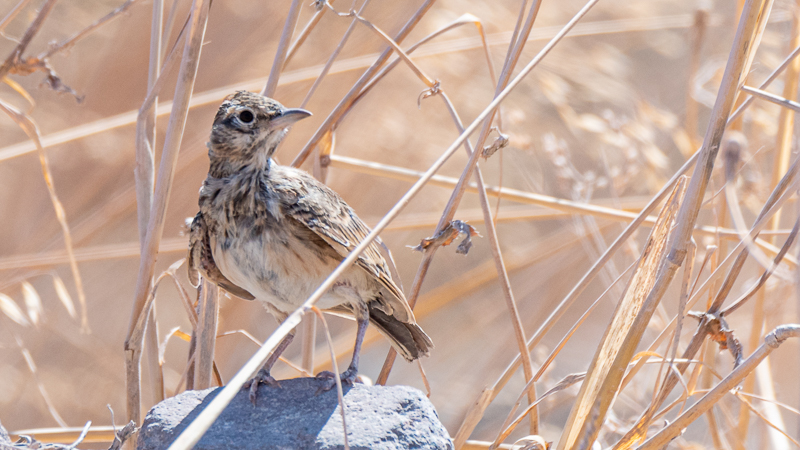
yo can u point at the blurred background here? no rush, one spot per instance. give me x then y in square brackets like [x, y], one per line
[607, 118]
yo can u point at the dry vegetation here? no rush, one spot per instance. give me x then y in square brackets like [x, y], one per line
[634, 187]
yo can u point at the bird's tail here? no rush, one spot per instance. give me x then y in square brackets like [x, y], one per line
[407, 338]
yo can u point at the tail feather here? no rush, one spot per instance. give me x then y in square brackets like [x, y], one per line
[407, 338]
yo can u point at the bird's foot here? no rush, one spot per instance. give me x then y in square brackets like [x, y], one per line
[262, 376]
[328, 379]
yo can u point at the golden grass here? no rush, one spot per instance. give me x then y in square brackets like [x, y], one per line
[537, 291]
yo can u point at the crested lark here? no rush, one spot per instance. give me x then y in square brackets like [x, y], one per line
[274, 233]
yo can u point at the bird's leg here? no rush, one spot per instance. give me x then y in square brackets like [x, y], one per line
[263, 375]
[349, 376]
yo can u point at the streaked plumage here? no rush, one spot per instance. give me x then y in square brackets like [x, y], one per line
[274, 233]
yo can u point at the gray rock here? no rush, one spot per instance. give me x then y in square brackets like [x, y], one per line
[294, 417]
[4, 438]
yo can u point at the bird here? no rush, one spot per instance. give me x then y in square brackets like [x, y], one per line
[274, 233]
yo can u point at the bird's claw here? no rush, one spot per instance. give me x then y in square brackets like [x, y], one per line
[262, 376]
[328, 379]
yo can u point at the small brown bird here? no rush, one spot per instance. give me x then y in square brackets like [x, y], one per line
[274, 233]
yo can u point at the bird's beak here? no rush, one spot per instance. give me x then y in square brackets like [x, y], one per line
[288, 117]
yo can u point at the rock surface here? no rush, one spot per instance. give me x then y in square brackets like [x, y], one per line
[4, 439]
[294, 417]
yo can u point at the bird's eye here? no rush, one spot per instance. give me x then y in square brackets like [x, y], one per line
[246, 116]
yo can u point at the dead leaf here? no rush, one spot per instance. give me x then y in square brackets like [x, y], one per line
[501, 141]
[448, 235]
[719, 332]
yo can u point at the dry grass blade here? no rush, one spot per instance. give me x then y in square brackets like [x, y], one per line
[474, 415]
[736, 259]
[12, 14]
[463, 20]
[336, 378]
[783, 155]
[345, 103]
[500, 266]
[329, 63]
[778, 100]
[30, 128]
[396, 47]
[283, 45]
[174, 136]
[145, 169]
[51, 408]
[94, 434]
[563, 206]
[206, 334]
[698, 32]
[622, 335]
[565, 382]
[771, 342]
[764, 276]
[154, 362]
[304, 34]
[507, 426]
[22, 92]
[763, 417]
[71, 41]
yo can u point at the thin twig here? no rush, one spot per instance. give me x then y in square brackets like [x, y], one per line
[347, 100]
[280, 54]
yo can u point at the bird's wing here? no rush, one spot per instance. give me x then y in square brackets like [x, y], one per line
[319, 208]
[201, 260]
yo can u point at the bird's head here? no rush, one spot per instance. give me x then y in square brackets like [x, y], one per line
[249, 127]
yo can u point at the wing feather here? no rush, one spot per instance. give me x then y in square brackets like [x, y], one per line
[321, 209]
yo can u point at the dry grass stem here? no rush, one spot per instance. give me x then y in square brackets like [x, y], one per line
[778, 100]
[336, 378]
[280, 54]
[174, 136]
[144, 172]
[15, 58]
[622, 335]
[588, 150]
[333, 56]
[508, 425]
[500, 267]
[29, 362]
[771, 342]
[30, 128]
[206, 334]
[12, 14]
[347, 100]
[738, 255]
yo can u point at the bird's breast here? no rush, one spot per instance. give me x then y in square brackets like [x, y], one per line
[275, 265]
